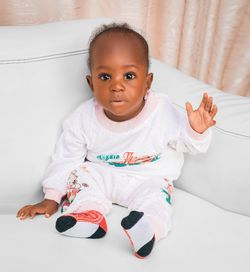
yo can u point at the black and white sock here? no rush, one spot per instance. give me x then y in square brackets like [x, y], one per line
[140, 233]
[86, 224]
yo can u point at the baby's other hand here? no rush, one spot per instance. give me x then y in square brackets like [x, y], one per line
[203, 117]
[47, 207]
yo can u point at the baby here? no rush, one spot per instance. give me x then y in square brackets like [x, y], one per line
[124, 146]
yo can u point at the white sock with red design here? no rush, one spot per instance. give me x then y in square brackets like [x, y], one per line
[87, 224]
[140, 233]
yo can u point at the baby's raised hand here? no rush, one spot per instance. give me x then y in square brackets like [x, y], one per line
[202, 118]
[47, 207]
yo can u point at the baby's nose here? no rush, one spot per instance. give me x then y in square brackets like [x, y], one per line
[117, 85]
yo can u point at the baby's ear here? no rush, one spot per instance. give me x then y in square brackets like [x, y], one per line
[149, 80]
[89, 80]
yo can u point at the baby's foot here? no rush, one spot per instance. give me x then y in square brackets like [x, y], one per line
[86, 224]
[140, 233]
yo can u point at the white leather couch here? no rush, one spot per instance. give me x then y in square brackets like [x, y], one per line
[42, 80]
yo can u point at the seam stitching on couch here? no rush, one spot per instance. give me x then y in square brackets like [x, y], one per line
[47, 57]
[234, 134]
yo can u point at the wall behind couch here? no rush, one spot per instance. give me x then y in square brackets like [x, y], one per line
[207, 39]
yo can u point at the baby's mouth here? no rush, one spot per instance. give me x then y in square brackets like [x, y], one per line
[118, 101]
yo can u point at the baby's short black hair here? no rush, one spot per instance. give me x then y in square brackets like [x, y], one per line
[121, 28]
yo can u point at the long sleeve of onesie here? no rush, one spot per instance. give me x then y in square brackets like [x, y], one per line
[70, 152]
[186, 139]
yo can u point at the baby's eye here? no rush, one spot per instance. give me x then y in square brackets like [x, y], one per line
[104, 77]
[129, 76]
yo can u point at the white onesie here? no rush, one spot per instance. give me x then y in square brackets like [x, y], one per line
[132, 163]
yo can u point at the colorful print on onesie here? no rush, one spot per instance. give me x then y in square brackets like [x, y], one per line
[168, 190]
[73, 187]
[127, 159]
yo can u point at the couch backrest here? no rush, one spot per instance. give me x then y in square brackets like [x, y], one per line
[222, 175]
[42, 80]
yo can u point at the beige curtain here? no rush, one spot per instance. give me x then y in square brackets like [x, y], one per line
[207, 39]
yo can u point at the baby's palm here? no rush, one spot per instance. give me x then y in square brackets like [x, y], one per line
[202, 118]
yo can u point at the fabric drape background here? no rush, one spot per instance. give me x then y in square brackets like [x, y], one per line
[207, 39]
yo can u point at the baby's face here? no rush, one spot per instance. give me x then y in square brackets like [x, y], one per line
[119, 78]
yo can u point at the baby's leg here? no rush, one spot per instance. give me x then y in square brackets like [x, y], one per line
[86, 207]
[149, 219]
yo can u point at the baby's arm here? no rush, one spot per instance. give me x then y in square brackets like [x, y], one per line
[69, 153]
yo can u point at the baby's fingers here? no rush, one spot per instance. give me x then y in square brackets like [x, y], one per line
[204, 100]
[213, 111]
[23, 210]
[28, 212]
[209, 103]
[32, 213]
[24, 214]
[189, 108]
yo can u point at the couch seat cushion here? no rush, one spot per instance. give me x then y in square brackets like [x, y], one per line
[203, 238]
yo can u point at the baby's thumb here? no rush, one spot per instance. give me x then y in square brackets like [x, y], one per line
[189, 108]
[49, 212]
